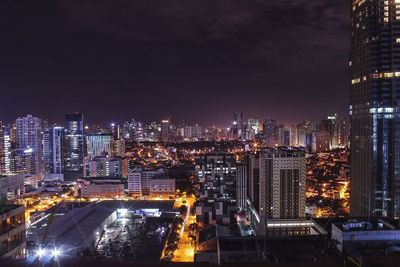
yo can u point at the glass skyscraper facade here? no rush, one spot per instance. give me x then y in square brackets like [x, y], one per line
[74, 142]
[374, 108]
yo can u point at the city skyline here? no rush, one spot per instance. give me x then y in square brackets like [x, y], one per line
[151, 60]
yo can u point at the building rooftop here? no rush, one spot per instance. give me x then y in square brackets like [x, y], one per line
[367, 225]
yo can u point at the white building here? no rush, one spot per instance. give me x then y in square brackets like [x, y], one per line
[148, 182]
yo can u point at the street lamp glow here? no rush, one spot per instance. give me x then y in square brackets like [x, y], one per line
[40, 252]
[56, 252]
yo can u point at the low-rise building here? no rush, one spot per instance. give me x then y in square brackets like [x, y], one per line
[143, 183]
[216, 211]
[98, 187]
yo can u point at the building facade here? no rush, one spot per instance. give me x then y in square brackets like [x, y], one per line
[272, 185]
[74, 146]
[12, 231]
[98, 145]
[53, 154]
[29, 137]
[374, 108]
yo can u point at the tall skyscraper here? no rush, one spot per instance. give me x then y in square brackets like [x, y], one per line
[53, 153]
[374, 108]
[74, 150]
[29, 137]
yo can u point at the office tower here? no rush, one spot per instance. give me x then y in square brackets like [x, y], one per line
[270, 133]
[74, 146]
[29, 138]
[23, 160]
[53, 154]
[276, 185]
[98, 145]
[2, 150]
[374, 108]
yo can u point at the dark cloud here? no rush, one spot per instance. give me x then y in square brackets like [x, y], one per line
[196, 60]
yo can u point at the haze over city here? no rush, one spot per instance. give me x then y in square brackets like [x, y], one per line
[150, 59]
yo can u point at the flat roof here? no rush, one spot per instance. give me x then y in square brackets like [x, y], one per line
[354, 225]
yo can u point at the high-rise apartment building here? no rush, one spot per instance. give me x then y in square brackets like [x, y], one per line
[74, 146]
[272, 185]
[2, 150]
[374, 108]
[7, 149]
[29, 137]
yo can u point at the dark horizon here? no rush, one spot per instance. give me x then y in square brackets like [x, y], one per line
[195, 61]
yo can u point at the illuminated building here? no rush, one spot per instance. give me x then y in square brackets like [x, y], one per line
[374, 108]
[99, 187]
[53, 153]
[275, 184]
[29, 137]
[98, 145]
[12, 231]
[106, 166]
[2, 150]
[22, 161]
[7, 149]
[217, 172]
[74, 146]
[146, 182]
[118, 148]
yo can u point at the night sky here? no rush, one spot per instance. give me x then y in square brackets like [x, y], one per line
[193, 60]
